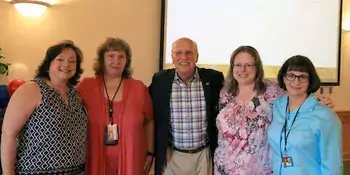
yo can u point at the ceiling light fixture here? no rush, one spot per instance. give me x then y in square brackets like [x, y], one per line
[31, 8]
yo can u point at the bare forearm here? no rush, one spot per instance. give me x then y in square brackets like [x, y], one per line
[8, 154]
[150, 136]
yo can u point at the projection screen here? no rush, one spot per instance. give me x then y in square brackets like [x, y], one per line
[278, 29]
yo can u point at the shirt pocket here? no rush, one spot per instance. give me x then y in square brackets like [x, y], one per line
[303, 138]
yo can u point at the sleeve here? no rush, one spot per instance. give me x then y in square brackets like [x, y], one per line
[148, 107]
[87, 153]
[330, 138]
[273, 91]
[223, 99]
[221, 80]
[150, 87]
[80, 87]
[221, 93]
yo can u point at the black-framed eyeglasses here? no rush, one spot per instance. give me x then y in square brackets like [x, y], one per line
[292, 77]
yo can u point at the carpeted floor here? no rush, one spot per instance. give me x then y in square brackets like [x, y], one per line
[347, 167]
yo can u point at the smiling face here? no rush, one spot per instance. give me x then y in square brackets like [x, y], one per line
[298, 76]
[185, 56]
[63, 66]
[244, 70]
[296, 83]
[115, 62]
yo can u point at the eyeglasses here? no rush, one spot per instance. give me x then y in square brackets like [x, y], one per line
[248, 66]
[301, 78]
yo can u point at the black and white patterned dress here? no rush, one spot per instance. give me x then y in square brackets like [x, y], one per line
[53, 139]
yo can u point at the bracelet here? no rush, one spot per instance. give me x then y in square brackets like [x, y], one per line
[150, 154]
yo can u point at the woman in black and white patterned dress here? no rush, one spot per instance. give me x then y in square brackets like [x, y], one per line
[48, 119]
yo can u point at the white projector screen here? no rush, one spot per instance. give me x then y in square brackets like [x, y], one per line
[278, 29]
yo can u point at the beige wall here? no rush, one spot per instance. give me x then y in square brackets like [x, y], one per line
[87, 22]
[341, 94]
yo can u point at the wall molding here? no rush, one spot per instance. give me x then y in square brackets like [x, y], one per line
[346, 156]
[344, 116]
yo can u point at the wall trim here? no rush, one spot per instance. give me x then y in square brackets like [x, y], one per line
[346, 156]
[344, 116]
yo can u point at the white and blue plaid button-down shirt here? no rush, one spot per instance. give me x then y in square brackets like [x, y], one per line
[188, 113]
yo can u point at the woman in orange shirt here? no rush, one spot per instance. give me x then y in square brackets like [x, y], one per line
[120, 127]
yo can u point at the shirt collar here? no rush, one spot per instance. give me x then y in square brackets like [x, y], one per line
[193, 79]
[309, 104]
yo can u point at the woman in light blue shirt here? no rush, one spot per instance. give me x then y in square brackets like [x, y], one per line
[304, 136]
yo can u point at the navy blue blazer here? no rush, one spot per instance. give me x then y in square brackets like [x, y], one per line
[160, 90]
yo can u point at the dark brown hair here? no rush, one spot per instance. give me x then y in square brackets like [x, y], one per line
[301, 64]
[52, 52]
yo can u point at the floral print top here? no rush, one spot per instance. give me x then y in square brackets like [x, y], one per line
[243, 147]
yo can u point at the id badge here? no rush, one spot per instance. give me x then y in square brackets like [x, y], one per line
[111, 135]
[287, 161]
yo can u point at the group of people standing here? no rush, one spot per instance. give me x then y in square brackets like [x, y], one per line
[189, 121]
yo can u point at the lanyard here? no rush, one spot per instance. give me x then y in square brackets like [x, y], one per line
[110, 101]
[285, 126]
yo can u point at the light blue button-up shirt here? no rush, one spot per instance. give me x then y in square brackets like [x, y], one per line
[314, 142]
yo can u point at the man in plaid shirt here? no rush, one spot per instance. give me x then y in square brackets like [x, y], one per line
[185, 109]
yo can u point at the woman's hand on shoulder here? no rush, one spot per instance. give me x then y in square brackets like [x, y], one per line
[326, 101]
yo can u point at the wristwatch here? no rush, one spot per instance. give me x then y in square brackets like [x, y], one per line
[150, 154]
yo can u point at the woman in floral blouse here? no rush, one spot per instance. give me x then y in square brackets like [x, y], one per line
[245, 114]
